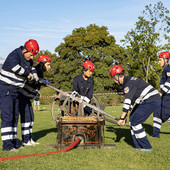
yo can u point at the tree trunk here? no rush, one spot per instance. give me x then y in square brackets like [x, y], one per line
[147, 70]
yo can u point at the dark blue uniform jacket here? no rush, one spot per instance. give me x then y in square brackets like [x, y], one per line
[137, 91]
[83, 87]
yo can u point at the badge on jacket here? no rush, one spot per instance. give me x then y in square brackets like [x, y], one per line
[126, 89]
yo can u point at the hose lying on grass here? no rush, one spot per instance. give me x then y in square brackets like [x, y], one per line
[41, 154]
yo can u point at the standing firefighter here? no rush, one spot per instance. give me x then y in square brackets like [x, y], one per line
[163, 114]
[147, 100]
[29, 92]
[83, 84]
[14, 72]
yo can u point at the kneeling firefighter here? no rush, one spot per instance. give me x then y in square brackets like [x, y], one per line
[29, 91]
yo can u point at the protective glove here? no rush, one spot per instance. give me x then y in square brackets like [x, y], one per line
[30, 76]
[84, 98]
[35, 77]
[45, 81]
[75, 94]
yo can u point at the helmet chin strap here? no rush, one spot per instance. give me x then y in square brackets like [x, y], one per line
[117, 79]
[26, 52]
[85, 75]
[165, 64]
[25, 49]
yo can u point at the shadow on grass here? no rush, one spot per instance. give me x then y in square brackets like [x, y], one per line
[121, 133]
[42, 133]
[165, 133]
[148, 128]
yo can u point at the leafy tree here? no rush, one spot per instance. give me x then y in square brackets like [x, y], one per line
[143, 42]
[91, 43]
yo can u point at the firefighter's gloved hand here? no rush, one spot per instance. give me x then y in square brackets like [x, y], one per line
[30, 77]
[35, 77]
[45, 81]
[84, 98]
[75, 94]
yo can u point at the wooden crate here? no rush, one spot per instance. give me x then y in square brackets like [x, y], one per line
[89, 129]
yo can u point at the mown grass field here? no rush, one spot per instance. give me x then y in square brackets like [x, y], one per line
[123, 156]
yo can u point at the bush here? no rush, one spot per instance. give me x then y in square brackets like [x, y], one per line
[46, 94]
[109, 100]
[104, 100]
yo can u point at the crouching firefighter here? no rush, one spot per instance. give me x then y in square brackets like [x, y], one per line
[163, 113]
[83, 84]
[147, 100]
[14, 72]
[29, 92]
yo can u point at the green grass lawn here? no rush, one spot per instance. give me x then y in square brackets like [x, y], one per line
[123, 156]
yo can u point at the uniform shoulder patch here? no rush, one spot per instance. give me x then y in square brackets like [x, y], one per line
[133, 78]
[126, 89]
[168, 73]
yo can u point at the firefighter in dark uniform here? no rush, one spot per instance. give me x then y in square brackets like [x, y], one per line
[14, 72]
[163, 113]
[83, 84]
[28, 92]
[147, 100]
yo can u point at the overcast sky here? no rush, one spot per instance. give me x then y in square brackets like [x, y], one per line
[49, 21]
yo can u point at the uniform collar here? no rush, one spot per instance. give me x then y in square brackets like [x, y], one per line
[126, 79]
[82, 79]
[19, 51]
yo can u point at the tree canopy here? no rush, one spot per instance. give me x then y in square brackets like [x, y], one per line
[138, 55]
[92, 43]
[143, 43]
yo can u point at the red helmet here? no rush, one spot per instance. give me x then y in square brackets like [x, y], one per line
[117, 69]
[164, 54]
[32, 46]
[44, 58]
[88, 65]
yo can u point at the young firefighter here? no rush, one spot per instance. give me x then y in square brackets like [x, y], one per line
[14, 72]
[27, 93]
[163, 114]
[147, 100]
[83, 84]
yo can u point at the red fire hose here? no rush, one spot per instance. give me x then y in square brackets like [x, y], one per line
[41, 154]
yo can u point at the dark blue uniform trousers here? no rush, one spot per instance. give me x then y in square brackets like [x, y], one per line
[165, 112]
[140, 114]
[161, 115]
[157, 121]
[9, 119]
[27, 117]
